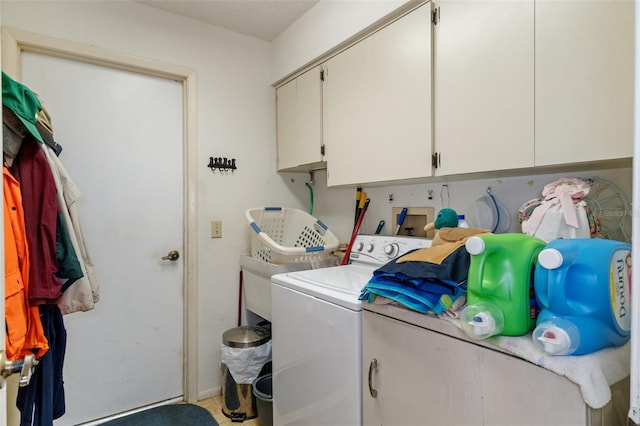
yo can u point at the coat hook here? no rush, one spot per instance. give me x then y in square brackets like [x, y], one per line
[222, 164]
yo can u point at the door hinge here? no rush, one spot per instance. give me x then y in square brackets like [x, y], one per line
[322, 150]
[435, 160]
[435, 16]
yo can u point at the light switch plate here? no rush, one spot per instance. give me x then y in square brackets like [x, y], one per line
[216, 229]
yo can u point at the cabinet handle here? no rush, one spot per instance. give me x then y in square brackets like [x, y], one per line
[373, 366]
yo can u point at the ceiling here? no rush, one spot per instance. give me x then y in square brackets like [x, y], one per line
[263, 19]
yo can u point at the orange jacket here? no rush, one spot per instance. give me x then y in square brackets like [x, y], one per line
[24, 332]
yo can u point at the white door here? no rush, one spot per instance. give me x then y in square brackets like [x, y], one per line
[121, 134]
[3, 392]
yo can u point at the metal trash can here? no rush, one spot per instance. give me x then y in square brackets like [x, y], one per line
[263, 391]
[246, 355]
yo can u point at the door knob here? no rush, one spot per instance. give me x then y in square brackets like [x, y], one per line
[173, 255]
[25, 366]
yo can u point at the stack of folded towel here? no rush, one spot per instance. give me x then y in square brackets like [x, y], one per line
[428, 279]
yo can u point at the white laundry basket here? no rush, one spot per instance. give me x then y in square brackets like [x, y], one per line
[283, 235]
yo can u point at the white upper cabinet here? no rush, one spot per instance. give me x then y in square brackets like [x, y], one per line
[483, 85]
[584, 80]
[377, 105]
[515, 85]
[299, 122]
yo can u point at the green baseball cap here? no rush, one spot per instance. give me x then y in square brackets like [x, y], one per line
[23, 102]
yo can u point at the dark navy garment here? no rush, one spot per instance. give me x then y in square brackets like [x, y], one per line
[454, 268]
[421, 285]
[42, 400]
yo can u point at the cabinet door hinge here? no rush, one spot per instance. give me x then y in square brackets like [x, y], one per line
[435, 160]
[322, 150]
[435, 16]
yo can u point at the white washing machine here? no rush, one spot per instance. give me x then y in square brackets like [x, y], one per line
[316, 321]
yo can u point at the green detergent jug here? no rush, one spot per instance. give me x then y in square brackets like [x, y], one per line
[500, 285]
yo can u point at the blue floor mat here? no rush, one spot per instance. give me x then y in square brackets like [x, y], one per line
[167, 415]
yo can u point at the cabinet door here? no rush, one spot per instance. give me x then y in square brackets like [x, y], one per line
[483, 85]
[299, 122]
[425, 377]
[421, 376]
[584, 80]
[377, 112]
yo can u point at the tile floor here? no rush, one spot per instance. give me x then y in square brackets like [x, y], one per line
[214, 405]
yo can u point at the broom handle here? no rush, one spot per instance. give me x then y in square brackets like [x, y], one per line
[345, 259]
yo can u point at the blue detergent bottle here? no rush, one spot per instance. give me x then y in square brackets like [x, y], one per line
[583, 288]
[500, 297]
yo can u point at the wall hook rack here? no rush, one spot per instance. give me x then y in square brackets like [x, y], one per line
[222, 164]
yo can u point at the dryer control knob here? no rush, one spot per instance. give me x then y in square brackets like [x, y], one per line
[391, 250]
[369, 248]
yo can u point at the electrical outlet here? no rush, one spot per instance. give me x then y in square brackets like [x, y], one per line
[216, 229]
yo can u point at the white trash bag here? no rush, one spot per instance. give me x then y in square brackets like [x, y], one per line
[245, 364]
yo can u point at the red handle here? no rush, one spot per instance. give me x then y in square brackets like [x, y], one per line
[345, 259]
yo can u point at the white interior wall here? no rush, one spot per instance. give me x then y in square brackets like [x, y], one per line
[236, 119]
[323, 27]
[335, 206]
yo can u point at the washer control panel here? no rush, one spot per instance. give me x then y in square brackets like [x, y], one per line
[381, 249]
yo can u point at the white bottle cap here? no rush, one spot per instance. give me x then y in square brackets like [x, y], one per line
[481, 320]
[554, 340]
[483, 325]
[550, 258]
[475, 245]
